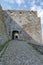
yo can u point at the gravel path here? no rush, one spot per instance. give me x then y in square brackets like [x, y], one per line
[21, 53]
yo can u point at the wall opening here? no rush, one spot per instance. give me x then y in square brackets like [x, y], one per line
[15, 34]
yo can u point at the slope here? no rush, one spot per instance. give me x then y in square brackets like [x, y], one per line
[20, 53]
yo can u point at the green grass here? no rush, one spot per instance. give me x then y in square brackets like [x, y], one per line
[2, 46]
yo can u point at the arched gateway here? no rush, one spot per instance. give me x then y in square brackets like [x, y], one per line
[15, 34]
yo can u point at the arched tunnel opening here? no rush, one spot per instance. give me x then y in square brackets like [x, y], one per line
[15, 34]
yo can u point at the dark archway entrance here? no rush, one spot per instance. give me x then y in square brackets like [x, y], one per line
[15, 34]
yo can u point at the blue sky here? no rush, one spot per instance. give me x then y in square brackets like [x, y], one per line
[36, 5]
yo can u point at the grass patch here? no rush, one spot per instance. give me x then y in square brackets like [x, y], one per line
[2, 46]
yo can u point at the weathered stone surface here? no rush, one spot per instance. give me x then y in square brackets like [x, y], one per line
[29, 27]
[21, 53]
[26, 22]
[3, 31]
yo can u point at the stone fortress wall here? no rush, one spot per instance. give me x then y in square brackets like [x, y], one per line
[26, 22]
[3, 33]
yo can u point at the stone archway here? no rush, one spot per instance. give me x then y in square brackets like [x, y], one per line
[15, 34]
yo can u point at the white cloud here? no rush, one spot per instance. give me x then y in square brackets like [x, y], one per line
[39, 10]
[34, 8]
[6, 6]
[40, 13]
[19, 2]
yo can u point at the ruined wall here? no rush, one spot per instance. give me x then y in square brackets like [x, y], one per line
[3, 33]
[26, 22]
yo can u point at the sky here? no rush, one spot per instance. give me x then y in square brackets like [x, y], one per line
[35, 5]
